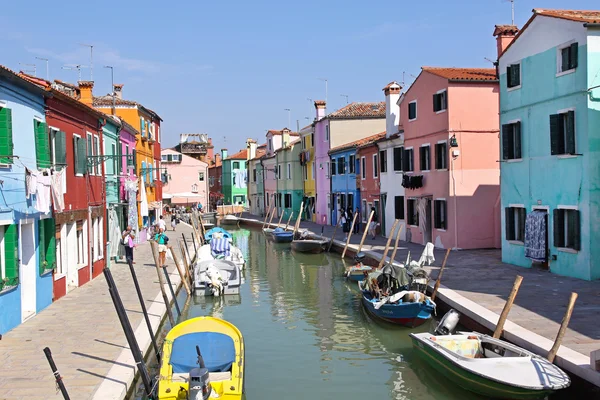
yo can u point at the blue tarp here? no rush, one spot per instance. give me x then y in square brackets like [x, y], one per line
[220, 247]
[217, 350]
[209, 234]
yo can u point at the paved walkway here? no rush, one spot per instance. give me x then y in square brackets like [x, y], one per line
[481, 276]
[83, 331]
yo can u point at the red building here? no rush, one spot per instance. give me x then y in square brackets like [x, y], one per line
[215, 170]
[75, 131]
[368, 179]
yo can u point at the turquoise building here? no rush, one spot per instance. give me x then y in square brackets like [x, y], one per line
[235, 178]
[290, 182]
[550, 141]
[112, 164]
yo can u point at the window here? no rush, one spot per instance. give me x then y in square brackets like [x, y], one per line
[201, 176]
[42, 147]
[441, 155]
[289, 170]
[333, 167]
[398, 153]
[412, 212]
[568, 56]
[567, 231]
[287, 198]
[408, 160]
[352, 164]
[340, 165]
[80, 244]
[303, 142]
[375, 166]
[236, 165]
[398, 207]
[312, 138]
[327, 133]
[6, 135]
[439, 214]
[424, 159]
[58, 153]
[511, 141]
[313, 171]
[562, 133]
[113, 148]
[383, 161]
[127, 161]
[513, 76]
[164, 157]
[439, 101]
[363, 168]
[350, 201]
[270, 144]
[79, 155]
[97, 235]
[279, 203]
[412, 110]
[9, 259]
[254, 175]
[364, 209]
[514, 223]
[194, 188]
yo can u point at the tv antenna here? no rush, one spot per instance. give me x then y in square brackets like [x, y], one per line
[91, 46]
[346, 96]
[30, 71]
[77, 67]
[512, 10]
[47, 69]
[324, 79]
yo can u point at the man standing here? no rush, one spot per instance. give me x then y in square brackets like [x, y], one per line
[128, 237]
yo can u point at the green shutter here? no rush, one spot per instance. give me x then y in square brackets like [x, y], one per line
[570, 140]
[573, 55]
[42, 246]
[575, 229]
[509, 223]
[42, 147]
[516, 74]
[11, 249]
[522, 219]
[82, 158]
[60, 148]
[6, 140]
[50, 236]
[564, 54]
[555, 136]
[559, 223]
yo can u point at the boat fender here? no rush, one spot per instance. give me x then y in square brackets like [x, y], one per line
[448, 323]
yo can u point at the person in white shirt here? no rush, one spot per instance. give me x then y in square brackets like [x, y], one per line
[162, 224]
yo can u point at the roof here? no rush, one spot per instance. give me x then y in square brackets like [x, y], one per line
[359, 110]
[18, 80]
[128, 127]
[505, 30]
[260, 152]
[389, 85]
[276, 132]
[107, 101]
[363, 142]
[240, 155]
[464, 74]
[585, 16]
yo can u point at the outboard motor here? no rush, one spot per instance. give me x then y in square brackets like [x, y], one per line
[359, 257]
[199, 381]
[448, 323]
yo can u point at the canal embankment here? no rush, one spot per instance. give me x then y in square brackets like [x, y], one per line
[476, 283]
[87, 341]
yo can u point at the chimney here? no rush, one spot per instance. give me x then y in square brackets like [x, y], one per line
[285, 137]
[223, 154]
[505, 34]
[217, 157]
[85, 92]
[392, 109]
[251, 146]
[320, 106]
[118, 90]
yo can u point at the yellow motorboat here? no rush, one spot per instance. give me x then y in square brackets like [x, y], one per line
[202, 358]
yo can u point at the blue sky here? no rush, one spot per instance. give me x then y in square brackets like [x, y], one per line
[231, 68]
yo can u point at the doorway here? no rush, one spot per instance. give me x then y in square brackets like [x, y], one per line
[383, 198]
[427, 233]
[27, 271]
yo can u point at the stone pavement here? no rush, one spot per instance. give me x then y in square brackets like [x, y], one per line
[83, 332]
[482, 277]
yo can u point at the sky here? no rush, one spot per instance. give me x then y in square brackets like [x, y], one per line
[231, 68]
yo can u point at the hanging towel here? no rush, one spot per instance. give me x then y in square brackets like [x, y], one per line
[427, 256]
[57, 190]
[30, 182]
[220, 247]
[43, 200]
[535, 236]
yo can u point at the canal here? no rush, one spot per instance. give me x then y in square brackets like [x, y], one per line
[308, 337]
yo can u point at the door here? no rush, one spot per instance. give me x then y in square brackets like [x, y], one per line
[427, 232]
[383, 198]
[27, 271]
[377, 215]
[71, 255]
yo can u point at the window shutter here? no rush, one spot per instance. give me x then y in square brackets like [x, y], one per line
[516, 74]
[445, 208]
[436, 214]
[509, 76]
[399, 207]
[506, 142]
[134, 153]
[60, 151]
[570, 140]
[521, 231]
[564, 54]
[517, 140]
[575, 230]
[6, 142]
[558, 228]
[405, 161]
[436, 99]
[11, 248]
[555, 134]
[81, 158]
[509, 223]
[41, 246]
[398, 158]
[573, 55]
[42, 148]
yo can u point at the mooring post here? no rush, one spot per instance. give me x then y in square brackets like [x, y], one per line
[187, 250]
[349, 235]
[507, 307]
[364, 236]
[439, 277]
[297, 226]
[387, 244]
[57, 377]
[194, 243]
[280, 218]
[288, 221]
[266, 216]
[173, 294]
[186, 260]
[182, 275]
[393, 256]
[272, 215]
[563, 328]
[162, 283]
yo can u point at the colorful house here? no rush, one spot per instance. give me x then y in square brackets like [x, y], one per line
[550, 127]
[186, 178]
[307, 161]
[391, 149]
[255, 172]
[344, 192]
[128, 185]
[234, 179]
[350, 123]
[27, 242]
[290, 184]
[215, 170]
[452, 186]
[371, 162]
[269, 165]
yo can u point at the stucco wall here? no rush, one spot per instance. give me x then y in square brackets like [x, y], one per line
[185, 174]
[593, 161]
[322, 182]
[346, 131]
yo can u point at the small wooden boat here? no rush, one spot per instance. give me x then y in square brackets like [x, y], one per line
[216, 278]
[310, 245]
[279, 235]
[490, 367]
[202, 358]
[356, 273]
[229, 219]
[217, 232]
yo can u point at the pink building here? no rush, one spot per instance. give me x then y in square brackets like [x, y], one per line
[127, 142]
[186, 181]
[322, 181]
[450, 158]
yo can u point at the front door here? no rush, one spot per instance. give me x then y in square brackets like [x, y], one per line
[383, 198]
[27, 271]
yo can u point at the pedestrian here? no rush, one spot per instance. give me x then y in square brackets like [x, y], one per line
[163, 241]
[127, 240]
[373, 225]
[162, 224]
[349, 218]
[174, 221]
[357, 223]
[344, 222]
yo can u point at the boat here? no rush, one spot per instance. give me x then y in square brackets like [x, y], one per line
[216, 232]
[221, 249]
[208, 225]
[229, 219]
[357, 272]
[268, 231]
[279, 235]
[216, 278]
[490, 367]
[310, 245]
[202, 358]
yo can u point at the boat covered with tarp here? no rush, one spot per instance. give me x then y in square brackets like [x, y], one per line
[280, 235]
[304, 244]
[217, 232]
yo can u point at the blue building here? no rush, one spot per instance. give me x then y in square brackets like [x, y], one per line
[550, 136]
[27, 246]
[344, 191]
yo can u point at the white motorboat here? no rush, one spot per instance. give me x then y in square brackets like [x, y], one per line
[221, 249]
[216, 278]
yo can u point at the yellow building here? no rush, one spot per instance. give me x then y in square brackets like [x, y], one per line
[307, 159]
[147, 147]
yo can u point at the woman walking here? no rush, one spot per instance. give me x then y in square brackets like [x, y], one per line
[162, 241]
[174, 222]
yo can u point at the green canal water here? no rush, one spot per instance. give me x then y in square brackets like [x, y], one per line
[308, 337]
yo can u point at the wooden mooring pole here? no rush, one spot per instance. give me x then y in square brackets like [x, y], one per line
[280, 218]
[266, 216]
[161, 280]
[349, 235]
[507, 307]
[439, 277]
[272, 215]
[364, 236]
[393, 257]
[182, 273]
[297, 226]
[563, 328]
[387, 245]
[288, 221]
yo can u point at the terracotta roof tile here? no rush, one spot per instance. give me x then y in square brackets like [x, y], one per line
[107, 101]
[366, 141]
[505, 30]
[463, 74]
[276, 132]
[360, 110]
[240, 155]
